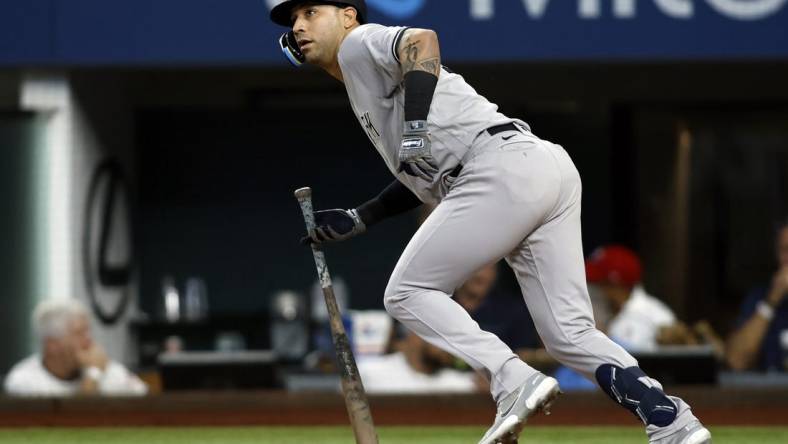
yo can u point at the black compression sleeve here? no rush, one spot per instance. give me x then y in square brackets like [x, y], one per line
[419, 89]
[394, 199]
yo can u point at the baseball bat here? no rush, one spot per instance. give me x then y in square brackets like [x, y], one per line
[352, 387]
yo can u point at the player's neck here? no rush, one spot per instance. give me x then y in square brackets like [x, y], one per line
[333, 68]
[335, 71]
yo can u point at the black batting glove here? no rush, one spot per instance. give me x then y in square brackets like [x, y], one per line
[334, 226]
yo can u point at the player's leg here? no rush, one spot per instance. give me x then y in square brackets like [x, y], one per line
[482, 219]
[470, 228]
[549, 265]
[439, 258]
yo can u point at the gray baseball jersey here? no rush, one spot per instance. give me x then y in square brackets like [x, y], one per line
[373, 78]
[517, 197]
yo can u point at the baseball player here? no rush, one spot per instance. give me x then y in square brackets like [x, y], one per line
[501, 192]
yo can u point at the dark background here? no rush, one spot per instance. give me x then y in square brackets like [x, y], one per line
[216, 176]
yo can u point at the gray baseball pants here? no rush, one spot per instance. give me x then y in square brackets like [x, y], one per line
[519, 199]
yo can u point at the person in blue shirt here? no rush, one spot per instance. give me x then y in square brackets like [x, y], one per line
[756, 344]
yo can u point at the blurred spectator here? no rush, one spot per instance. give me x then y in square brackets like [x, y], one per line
[760, 340]
[636, 320]
[639, 321]
[70, 361]
[415, 366]
[636, 315]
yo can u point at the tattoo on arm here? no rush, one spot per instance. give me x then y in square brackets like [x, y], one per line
[419, 55]
[411, 53]
[432, 65]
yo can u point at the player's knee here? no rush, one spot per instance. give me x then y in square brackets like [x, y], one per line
[396, 294]
[564, 346]
[393, 295]
[638, 393]
[390, 306]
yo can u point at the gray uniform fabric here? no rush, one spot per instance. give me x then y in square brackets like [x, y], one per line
[373, 79]
[517, 197]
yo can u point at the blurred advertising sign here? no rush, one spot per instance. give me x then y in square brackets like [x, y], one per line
[208, 32]
[591, 9]
[627, 9]
[602, 29]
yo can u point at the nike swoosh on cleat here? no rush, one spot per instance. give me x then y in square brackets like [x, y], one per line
[506, 412]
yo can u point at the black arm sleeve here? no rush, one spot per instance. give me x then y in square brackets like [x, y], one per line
[394, 199]
[419, 89]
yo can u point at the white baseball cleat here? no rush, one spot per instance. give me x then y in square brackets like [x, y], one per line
[693, 433]
[537, 394]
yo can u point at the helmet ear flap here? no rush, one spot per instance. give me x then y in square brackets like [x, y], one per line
[291, 50]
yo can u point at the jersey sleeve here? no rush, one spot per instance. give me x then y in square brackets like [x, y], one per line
[378, 42]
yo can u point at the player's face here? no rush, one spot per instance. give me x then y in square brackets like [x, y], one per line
[319, 31]
[782, 247]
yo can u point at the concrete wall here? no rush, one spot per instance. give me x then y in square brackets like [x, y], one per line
[85, 123]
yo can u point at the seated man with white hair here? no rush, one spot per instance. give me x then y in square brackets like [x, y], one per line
[70, 361]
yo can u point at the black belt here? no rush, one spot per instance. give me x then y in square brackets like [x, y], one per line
[493, 130]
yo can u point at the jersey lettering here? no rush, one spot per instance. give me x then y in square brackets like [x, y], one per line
[372, 132]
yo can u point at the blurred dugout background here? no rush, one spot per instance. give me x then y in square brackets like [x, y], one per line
[184, 111]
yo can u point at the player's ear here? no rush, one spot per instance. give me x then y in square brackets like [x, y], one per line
[349, 16]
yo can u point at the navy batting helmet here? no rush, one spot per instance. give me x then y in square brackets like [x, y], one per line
[281, 14]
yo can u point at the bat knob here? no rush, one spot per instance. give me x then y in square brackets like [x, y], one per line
[303, 193]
